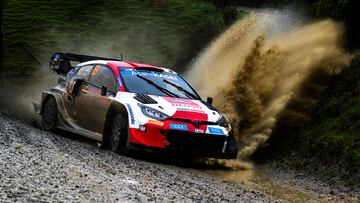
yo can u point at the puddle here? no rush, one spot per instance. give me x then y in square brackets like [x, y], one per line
[257, 180]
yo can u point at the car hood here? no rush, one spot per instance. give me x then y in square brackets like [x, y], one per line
[177, 108]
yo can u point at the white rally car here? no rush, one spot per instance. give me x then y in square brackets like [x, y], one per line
[130, 105]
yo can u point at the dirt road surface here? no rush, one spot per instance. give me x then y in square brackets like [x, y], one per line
[38, 166]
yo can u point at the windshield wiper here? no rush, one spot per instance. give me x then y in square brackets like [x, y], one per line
[169, 93]
[187, 93]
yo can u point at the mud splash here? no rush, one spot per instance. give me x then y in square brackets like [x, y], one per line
[260, 64]
[16, 99]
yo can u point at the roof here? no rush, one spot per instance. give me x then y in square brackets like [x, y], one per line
[124, 64]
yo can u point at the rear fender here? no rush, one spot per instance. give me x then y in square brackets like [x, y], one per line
[46, 95]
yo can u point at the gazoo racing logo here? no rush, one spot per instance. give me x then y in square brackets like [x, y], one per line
[184, 104]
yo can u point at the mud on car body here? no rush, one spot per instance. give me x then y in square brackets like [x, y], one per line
[128, 105]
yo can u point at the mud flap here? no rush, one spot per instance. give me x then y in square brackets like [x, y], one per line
[100, 144]
[37, 107]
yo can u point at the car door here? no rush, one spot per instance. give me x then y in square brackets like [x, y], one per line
[70, 100]
[92, 106]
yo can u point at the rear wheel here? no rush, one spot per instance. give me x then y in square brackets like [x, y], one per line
[50, 113]
[118, 136]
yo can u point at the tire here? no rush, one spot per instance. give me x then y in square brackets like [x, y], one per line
[231, 149]
[118, 137]
[50, 114]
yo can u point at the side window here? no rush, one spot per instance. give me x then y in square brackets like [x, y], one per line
[103, 76]
[70, 74]
[84, 72]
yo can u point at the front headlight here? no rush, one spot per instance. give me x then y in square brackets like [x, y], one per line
[153, 113]
[223, 122]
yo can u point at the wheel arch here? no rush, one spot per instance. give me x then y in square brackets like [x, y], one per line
[114, 109]
[45, 97]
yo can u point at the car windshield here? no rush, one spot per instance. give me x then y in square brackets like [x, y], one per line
[157, 83]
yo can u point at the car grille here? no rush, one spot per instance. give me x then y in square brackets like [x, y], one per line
[195, 141]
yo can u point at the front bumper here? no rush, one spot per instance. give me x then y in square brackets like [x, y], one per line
[163, 139]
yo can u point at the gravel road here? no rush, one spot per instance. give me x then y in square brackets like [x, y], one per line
[37, 166]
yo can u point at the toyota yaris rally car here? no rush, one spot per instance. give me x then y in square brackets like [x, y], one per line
[128, 105]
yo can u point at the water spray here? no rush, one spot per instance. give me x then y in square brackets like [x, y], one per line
[257, 66]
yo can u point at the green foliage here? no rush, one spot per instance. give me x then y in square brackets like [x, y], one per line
[230, 15]
[152, 31]
[1, 39]
[335, 126]
[332, 8]
[346, 11]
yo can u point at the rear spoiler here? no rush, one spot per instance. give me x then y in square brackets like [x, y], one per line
[60, 62]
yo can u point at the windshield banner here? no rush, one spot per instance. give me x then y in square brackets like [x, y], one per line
[149, 74]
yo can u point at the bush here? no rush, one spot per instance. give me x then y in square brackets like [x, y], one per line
[342, 10]
[335, 124]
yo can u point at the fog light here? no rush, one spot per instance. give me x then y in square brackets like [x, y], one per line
[142, 128]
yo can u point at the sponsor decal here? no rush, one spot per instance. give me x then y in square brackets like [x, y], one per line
[217, 131]
[178, 126]
[95, 71]
[132, 119]
[156, 122]
[180, 101]
[199, 131]
[184, 104]
[119, 81]
[183, 109]
[149, 74]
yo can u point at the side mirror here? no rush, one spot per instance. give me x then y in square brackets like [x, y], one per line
[103, 90]
[209, 100]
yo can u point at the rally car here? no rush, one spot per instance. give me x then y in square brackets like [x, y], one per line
[127, 105]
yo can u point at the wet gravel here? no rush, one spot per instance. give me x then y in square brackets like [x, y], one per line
[37, 166]
[311, 184]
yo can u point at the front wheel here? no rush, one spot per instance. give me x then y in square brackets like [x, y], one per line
[118, 136]
[50, 114]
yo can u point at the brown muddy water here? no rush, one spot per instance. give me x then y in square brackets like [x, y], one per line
[284, 185]
[258, 180]
[260, 64]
